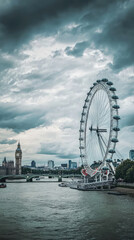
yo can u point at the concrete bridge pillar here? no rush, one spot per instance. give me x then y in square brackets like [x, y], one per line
[2, 180]
[59, 178]
[95, 179]
[28, 179]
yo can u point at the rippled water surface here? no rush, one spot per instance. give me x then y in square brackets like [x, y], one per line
[46, 211]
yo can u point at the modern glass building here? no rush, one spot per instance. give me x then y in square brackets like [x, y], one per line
[131, 154]
[50, 164]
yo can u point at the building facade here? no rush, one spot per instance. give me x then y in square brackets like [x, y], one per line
[51, 164]
[64, 165]
[131, 154]
[72, 165]
[7, 168]
[18, 159]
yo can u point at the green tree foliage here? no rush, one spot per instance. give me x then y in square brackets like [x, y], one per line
[130, 175]
[52, 171]
[125, 171]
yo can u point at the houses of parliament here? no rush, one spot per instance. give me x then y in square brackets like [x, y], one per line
[8, 167]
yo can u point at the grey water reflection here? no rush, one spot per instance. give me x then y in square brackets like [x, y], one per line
[46, 211]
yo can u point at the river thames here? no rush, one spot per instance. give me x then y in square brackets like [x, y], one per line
[47, 211]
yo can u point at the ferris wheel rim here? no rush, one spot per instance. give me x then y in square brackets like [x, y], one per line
[112, 98]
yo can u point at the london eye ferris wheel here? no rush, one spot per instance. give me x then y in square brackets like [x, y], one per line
[99, 127]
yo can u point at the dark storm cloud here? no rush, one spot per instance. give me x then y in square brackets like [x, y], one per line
[54, 149]
[107, 25]
[47, 152]
[6, 63]
[6, 141]
[57, 53]
[118, 37]
[14, 117]
[68, 156]
[59, 155]
[23, 18]
[78, 49]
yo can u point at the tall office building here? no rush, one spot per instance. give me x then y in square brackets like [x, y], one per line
[72, 165]
[33, 164]
[131, 154]
[69, 164]
[50, 164]
[18, 158]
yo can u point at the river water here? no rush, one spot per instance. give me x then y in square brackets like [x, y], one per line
[46, 211]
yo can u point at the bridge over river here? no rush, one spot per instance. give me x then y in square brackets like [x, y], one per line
[30, 177]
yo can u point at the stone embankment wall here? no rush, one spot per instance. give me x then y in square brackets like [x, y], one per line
[126, 185]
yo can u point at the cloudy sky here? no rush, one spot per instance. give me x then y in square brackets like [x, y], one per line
[51, 52]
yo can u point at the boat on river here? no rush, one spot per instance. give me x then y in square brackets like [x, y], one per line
[3, 185]
[63, 184]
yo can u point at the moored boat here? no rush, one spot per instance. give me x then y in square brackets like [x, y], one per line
[2, 185]
[63, 184]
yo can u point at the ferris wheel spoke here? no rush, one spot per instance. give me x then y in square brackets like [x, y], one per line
[101, 146]
[104, 118]
[105, 111]
[103, 140]
[105, 106]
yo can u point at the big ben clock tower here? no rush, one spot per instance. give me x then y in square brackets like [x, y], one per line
[18, 157]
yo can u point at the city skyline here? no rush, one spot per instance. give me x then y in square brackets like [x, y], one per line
[48, 64]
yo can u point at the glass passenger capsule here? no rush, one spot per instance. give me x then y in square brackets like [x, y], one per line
[116, 129]
[81, 147]
[82, 121]
[84, 106]
[109, 160]
[116, 117]
[105, 168]
[116, 106]
[112, 89]
[114, 140]
[115, 97]
[83, 114]
[111, 151]
[81, 130]
[104, 80]
[109, 83]
[88, 93]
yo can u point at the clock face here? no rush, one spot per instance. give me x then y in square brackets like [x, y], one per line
[17, 154]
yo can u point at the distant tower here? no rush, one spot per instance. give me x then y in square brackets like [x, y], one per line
[4, 163]
[18, 157]
[69, 164]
